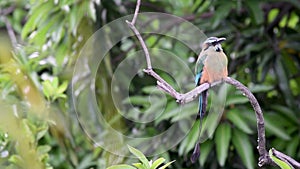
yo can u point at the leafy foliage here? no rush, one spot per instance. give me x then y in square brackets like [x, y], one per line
[52, 90]
[145, 164]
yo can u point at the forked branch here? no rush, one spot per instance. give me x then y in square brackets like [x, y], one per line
[264, 158]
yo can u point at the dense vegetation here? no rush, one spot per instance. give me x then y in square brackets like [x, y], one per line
[40, 42]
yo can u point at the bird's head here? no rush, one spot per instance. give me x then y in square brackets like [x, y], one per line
[213, 42]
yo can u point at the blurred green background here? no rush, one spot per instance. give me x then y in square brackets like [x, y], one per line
[41, 40]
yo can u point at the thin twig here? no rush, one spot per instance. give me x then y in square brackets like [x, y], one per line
[137, 8]
[138, 35]
[10, 32]
[145, 49]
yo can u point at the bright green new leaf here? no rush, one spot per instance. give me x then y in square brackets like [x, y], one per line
[48, 90]
[139, 155]
[157, 162]
[139, 165]
[166, 165]
[122, 166]
[62, 88]
[43, 149]
[35, 17]
[16, 159]
[280, 163]
[41, 131]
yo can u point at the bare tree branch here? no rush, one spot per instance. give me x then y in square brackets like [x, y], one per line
[264, 158]
[7, 11]
[10, 32]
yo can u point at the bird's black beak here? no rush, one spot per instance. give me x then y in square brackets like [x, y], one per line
[221, 40]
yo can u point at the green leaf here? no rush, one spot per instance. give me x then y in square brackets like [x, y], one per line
[281, 164]
[275, 128]
[16, 159]
[18, 14]
[166, 165]
[255, 10]
[62, 88]
[60, 96]
[210, 124]
[41, 131]
[48, 90]
[92, 11]
[188, 109]
[139, 166]
[223, 11]
[291, 148]
[122, 166]
[157, 162]
[43, 31]
[236, 99]
[151, 90]
[73, 20]
[205, 149]
[252, 48]
[35, 17]
[136, 100]
[139, 155]
[272, 14]
[236, 118]
[155, 24]
[58, 34]
[259, 88]
[190, 140]
[43, 149]
[222, 140]
[244, 148]
[278, 143]
[86, 162]
[55, 82]
[285, 111]
[29, 130]
[282, 77]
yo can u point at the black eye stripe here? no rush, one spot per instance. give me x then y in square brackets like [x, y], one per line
[215, 43]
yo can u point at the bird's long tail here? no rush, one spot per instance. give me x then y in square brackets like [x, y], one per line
[201, 112]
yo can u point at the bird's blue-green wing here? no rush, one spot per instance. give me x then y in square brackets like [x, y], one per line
[199, 68]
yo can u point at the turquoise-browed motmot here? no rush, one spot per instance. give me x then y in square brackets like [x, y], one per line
[211, 66]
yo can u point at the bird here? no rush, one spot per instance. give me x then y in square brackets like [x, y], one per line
[211, 66]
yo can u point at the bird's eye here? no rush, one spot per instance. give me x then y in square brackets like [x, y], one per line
[214, 43]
